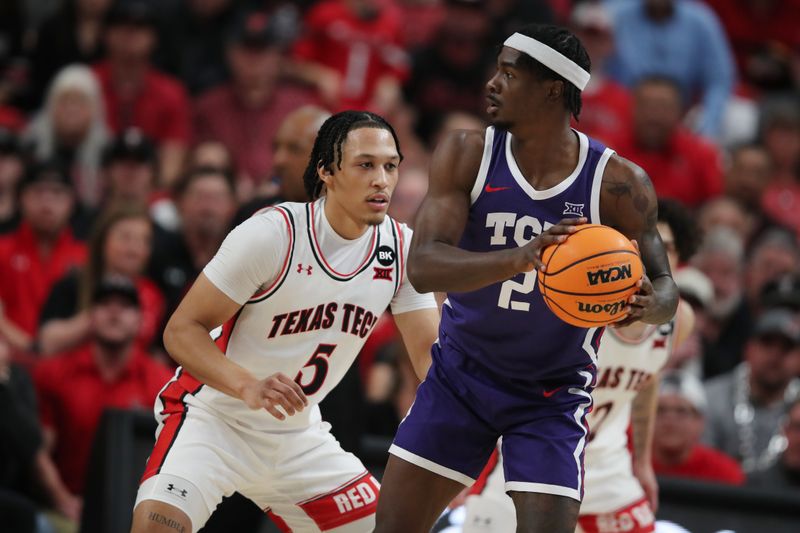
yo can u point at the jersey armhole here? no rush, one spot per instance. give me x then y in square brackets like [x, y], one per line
[278, 281]
[483, 170]
[597, 181]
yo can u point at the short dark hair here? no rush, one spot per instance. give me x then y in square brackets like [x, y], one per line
[195, 173]
[683, 226]
[564, 42]
[330, 138]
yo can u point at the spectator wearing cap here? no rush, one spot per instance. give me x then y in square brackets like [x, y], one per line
[681, 164]
[72, 127]
[245, 113]
[785, 473]
[110, 370]
[12, 167]
[206, 202]
[352, 51]
[680, 417]
[135, 93]
[607, 104]
[38, 252]
[746, 405]
[71, 34]
[747, 174]
[121, 245]
[664, 38]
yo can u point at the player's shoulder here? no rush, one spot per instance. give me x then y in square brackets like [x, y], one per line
[282, 214]
[457, 158]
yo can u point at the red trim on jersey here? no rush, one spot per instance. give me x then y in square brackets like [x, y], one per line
[227, 329]
[278, 521]
[322, 256]
[175, 409]
[353, 501]
[401, 262]
[636, 517]
[480, 483]
[285, 266]
[190, 384]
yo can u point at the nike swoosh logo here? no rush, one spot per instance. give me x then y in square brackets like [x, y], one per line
[548, 393]
[489, 188]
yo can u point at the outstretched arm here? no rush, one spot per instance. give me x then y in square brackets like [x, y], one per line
[435, 257]
[628, 203]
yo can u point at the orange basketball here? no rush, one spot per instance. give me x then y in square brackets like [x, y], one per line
[590, 276]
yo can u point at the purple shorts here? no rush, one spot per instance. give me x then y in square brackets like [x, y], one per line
[461, 410]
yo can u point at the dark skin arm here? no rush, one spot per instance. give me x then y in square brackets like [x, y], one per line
[441, 220]
[628, 204]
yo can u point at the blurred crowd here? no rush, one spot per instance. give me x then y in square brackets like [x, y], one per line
[134, 134]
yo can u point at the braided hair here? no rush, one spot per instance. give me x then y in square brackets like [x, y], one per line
[568, 45]
[328, 146]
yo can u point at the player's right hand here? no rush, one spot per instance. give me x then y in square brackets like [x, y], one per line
[276, 390]
[529, 257]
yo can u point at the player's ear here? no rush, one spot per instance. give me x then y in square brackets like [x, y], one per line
[324, 173]
[555, 90]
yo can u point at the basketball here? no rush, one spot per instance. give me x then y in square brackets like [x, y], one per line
[590, 276]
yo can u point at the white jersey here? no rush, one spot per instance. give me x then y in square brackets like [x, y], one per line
[310, 299]
[624, 367]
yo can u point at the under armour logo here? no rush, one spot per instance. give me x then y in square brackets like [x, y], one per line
[573, 209]
[301, 268]
[171, 488]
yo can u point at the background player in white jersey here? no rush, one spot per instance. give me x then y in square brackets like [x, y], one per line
[289, 300]
[621, 493]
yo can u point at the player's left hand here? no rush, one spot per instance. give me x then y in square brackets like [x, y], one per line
[647, 479]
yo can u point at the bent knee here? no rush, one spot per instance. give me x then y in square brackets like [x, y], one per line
[152, 516]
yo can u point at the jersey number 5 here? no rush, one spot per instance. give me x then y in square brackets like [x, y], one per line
[511, 286]
[319, 362]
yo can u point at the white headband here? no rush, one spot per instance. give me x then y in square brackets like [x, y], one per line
[548, 57]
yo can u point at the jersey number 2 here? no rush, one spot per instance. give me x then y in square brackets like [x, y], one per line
[319, 362]
[511, 286]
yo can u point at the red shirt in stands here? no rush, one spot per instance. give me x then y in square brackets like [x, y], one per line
[705, 464]
[606, 111]
[152, 305]
[248, 133]
[160, 109]
[26, 277]
[72, 395]
[689, 169]
[362, 51]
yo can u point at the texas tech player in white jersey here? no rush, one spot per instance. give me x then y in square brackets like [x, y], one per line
[309, 299]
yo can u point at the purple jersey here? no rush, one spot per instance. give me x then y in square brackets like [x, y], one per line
[506, 327]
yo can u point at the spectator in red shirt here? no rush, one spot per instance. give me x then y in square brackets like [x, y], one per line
[680, 419]
[120, 245]
[681, 164]
[607, 105]
[109, 371]
[352, 52]
[138, 95]
[38, 253]
[12, 167]
[780, 133]
[245, 113]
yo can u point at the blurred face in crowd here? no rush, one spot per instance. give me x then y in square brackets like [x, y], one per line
[411, 190]
[131, 179]
[254, 66]
[212, 154]
[725, 273]
[679, 426]
[361, 189]
[207, 206]
[93, 8]
[11, 169]
[115, 322]
[127, 246]
[656, 113]
[72, 116]
[782, 141]
[208, 8]
[47, 206]
[725, 212]
[791, 456]
[130, 42]
[770, 364]
[748, 174]
[291, 149]
[768, 263]
[462, 36]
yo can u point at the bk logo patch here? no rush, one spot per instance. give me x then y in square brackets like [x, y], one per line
[383, 273]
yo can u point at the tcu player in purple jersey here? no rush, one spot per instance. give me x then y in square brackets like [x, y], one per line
[504, 365]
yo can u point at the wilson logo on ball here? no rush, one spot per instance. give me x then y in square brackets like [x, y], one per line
[611, 309]
[607, 275]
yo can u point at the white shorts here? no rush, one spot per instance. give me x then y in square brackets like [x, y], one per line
[303, 479]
